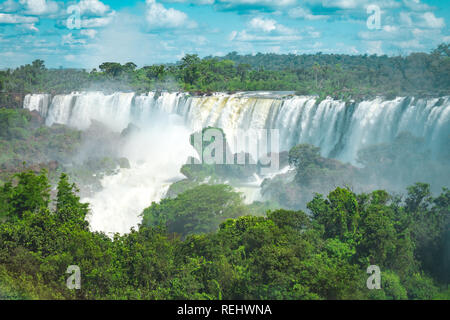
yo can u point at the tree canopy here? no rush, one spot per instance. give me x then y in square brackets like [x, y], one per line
[224, 253]
[338, 75]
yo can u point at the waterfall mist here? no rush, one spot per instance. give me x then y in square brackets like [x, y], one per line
[156, 155]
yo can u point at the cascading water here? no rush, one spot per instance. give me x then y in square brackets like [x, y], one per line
[37, 102]
[156, 155]
[339, 129]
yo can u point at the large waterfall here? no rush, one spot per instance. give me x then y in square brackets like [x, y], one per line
[339, 129]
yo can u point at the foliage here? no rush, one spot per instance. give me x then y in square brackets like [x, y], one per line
[341, 76]
[198, 210]
[311, 174]
[285, 255]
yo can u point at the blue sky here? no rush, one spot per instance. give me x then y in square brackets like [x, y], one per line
[86, 33]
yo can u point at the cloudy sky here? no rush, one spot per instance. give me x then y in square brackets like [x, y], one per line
[86, 33]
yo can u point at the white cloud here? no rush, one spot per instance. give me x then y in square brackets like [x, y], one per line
[424, 20]
[306, 14]
[254, 3]
[262, 29]
[91, 21]
[93, 7]
[39, 7]
[122, 42]
[159, 17]
[71, 40]
[268, 25]
[313, 33]
[243, 6]
[244, 36]
[410, 30]
[389, 28]
[31, 27]
[90, 33]
[431, 21]
[354, 4]
[416, 5]
[97, 22]
[6, 18]
[405, 18]
[265, 25]
[198, 40]
[278, 3]
[9, 6]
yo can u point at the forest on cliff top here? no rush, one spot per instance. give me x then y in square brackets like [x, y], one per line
[337, 75]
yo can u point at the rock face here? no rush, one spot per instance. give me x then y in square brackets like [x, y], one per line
[36, 119]
[129, 130]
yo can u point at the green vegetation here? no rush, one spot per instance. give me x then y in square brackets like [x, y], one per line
[197, 210]
[389, 166]
[187, 248]
[312, 173]
[27, 144]
[341, 76]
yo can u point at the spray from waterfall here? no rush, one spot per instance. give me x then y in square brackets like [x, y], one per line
[156, 155]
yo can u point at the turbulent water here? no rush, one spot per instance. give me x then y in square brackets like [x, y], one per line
[339, 129]
[156, 155]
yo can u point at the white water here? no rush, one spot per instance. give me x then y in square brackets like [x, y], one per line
[157, 154]
[37, 102]
[339, 130]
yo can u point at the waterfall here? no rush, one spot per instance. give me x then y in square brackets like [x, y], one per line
[166, 119]
[37, 102]
[339, 129]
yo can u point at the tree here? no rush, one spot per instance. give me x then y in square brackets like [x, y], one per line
[297, 221]
[31, 193]
[112, 69]
[69, 209]
[429, 219]
[190, 67]
[38, 65]
[197, 210]
[242, 71]
[339, 214]
[129, 67]
[305, 158]
[377, 225]
[155, 72]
